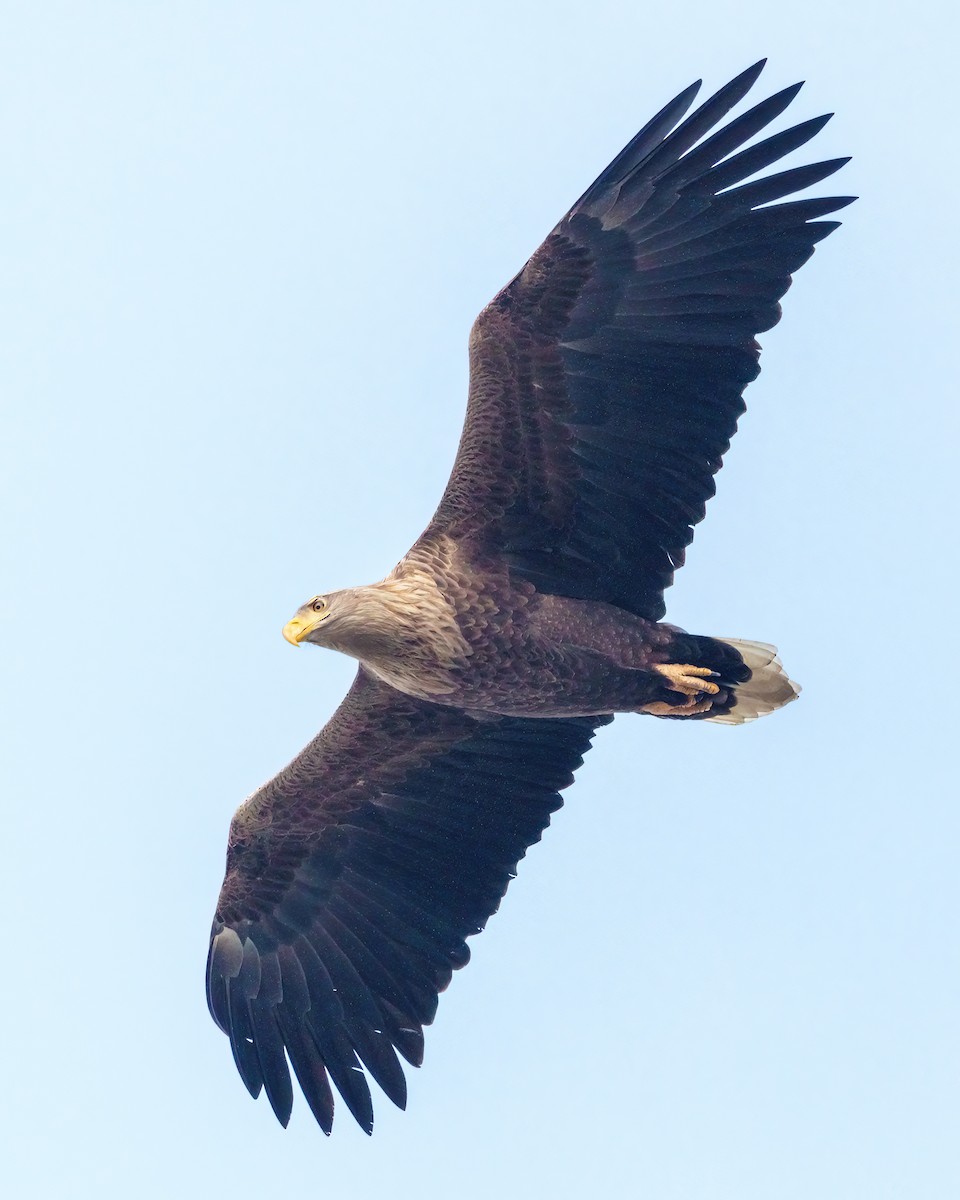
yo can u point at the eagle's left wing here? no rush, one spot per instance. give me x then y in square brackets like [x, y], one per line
[606, 379]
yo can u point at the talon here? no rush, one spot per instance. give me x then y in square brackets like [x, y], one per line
[688, 680]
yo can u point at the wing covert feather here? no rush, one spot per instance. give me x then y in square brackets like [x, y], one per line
[354, 877]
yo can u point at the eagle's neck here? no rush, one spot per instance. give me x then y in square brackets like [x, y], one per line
[405, 631]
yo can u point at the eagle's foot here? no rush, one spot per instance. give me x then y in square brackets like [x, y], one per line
[694, 688]
[690, 681]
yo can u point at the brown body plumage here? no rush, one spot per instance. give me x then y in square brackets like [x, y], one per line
[606, 381]
[479, 642]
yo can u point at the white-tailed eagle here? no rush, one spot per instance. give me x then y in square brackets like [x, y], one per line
[606, 382]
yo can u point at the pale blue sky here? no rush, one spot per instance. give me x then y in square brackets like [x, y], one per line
[242, 247]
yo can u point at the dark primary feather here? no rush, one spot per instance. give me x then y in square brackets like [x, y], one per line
[607, 377]
[354, 878]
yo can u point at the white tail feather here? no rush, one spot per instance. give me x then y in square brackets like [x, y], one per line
[768, 688]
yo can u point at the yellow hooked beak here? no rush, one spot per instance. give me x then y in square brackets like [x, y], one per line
[294, 630]
[297, 629]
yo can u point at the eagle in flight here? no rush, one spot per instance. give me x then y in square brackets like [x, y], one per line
[606, 380]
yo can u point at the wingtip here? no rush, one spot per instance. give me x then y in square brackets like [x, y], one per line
[753, 72]
[792, 90]
[813, 126]
[731, 93]
[689, 93]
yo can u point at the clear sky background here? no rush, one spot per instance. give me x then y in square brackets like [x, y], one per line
[242, 247]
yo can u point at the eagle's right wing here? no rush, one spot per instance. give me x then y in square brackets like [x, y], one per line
[354, 877]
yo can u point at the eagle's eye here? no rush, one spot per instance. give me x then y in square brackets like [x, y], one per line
[318, 604]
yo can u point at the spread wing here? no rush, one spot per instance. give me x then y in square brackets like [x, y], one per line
[354, 877]
[606, 378]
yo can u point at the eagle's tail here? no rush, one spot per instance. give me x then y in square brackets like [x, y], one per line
[768, 688]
